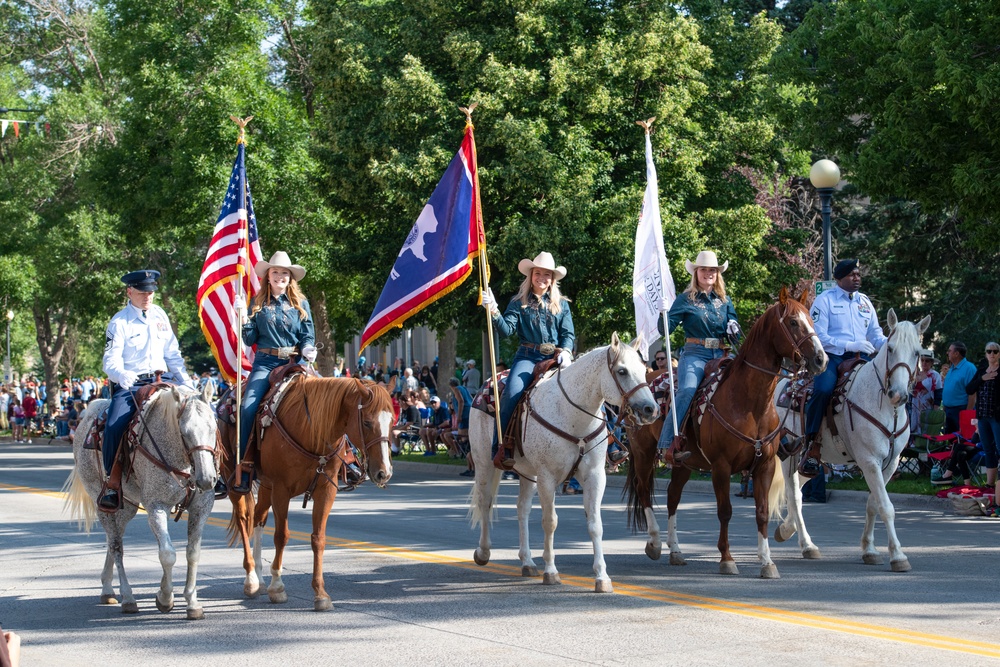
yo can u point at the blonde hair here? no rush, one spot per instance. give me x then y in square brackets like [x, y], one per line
[555, 296]
[719, 289]
[294, 294]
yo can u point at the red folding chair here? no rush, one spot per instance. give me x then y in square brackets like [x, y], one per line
[966, 431]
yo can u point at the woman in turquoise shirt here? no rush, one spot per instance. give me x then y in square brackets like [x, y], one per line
[281, 326]
[541, 318]
[708, 318]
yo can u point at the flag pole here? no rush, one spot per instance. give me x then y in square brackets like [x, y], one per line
[484, 274]
[239, 291]
[647, 125]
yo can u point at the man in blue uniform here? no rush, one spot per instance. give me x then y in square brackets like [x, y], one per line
[139, 344]
[846, 323]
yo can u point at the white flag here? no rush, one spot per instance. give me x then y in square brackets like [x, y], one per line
[652, 286]
[3, 128]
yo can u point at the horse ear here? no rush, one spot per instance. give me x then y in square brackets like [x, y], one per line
[638, 343]
[615, 341]
[923, 324]
[891, 319]
[804, 297]
[783, 296]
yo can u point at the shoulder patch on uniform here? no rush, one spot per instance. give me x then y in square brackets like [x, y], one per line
[109, 340]
[815, 313]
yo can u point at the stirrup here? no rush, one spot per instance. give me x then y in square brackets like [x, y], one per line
[674, 455]
[110, 501]
[243, 479]
[810, 466]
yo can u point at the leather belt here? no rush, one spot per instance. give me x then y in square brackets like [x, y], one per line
[145, 377]
[710, 343]
[545, 349]
[280, 352]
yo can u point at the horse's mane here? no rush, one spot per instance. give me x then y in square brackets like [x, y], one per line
[330, 398]
[756, 332]
[162, 406]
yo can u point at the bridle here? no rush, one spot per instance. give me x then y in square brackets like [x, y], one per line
[363, 457]
[797, 357]
[883, 385]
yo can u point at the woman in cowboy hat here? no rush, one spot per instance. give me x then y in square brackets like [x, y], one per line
[541, 318]
[280, 325]
[708, 317]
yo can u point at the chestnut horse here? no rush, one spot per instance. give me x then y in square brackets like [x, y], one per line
[303, 451]
[739, 431]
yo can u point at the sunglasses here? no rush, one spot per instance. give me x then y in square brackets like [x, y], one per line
[661, 358]
[992, 351]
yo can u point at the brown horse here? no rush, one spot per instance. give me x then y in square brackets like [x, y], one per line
[739, 431]
[303, 452]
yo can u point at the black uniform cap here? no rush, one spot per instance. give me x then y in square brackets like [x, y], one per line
[144, 280]
[844, 268]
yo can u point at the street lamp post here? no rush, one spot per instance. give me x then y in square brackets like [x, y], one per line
[825, 175]
[6, 361]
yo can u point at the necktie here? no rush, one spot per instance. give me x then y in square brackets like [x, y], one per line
[851, 296]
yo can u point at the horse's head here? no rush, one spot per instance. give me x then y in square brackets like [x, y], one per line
[625, 381]
[898, 360]
[374, 424]
[200, 435]
[792, 332]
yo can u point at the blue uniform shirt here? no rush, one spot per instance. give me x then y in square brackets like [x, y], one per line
[705, 317]
[279, 324]
[842, 318]
[537, 325]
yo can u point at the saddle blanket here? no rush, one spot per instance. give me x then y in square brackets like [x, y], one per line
[483, 400]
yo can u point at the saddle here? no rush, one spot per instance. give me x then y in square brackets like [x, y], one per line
[715, 372]
[796, 394]
[95, 436]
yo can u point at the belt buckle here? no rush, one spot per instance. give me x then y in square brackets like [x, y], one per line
[712, 343]
[285, 352]
[547, 348]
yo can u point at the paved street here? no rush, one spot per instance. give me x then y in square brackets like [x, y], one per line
[405, 590]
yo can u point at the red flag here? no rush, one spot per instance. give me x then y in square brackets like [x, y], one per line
[17, 129]
[232, 254]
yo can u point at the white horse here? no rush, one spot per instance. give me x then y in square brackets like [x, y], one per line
[569, 401]
[175, 463]
[873, 429]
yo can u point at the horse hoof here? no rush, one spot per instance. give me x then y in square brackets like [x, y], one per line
[812, 553]
[322, 604]
[728, 567]
[130, 608]
[551, 579]
[901, 566]
[677, 559]
[653, 551]
[480, 560]
[529, 571]
[251, 590]
[164, 608]
[195, 614]
[109, 599]
[778, 537]
[603, 586]
[769, 571]
[277, 597]
[872, 559]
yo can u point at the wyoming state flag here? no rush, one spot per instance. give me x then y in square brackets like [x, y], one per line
[437, 254]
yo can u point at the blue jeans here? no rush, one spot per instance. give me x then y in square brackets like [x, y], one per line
[521, 370]
[823, 386]
[120, 413]
[989, 437]
[257, 386]
[951, 418]
[691, 371]
[815, 489]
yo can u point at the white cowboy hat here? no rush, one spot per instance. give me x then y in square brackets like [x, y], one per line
[705, 259]
[279, 260]
[542, 260]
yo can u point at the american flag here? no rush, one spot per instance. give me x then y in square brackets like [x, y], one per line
[234, 243]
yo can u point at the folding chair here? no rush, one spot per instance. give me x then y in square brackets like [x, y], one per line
[914, 459]
[966, 432]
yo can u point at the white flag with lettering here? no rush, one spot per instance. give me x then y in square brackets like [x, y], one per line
[652, 286]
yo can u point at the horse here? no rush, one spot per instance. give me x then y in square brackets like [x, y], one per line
[302, 452]
[873, 429]
[739, 431]
[564, 435]
[177, 467]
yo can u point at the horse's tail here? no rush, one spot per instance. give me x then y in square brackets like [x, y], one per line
[640, 480]
[776, 496]
[81, 506]
[475, 516]
[243, 510]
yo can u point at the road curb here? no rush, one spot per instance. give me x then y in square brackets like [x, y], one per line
[704, 487]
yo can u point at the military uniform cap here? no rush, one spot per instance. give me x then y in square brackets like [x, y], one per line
[143, 280]
[844, 268]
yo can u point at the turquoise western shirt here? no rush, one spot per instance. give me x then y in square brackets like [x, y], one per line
[704, 317]
[278, 324]
[536, 324]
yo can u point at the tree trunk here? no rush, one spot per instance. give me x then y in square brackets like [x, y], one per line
[51, 337]
[326, 358]
[447, 344]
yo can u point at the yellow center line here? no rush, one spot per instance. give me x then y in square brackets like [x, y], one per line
[831, 623]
